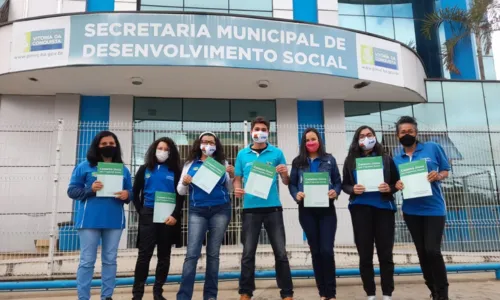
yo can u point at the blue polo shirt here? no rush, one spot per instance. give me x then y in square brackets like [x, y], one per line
[437, 161]
[161, 179]
[314, 164]
[198, 197]
[244, 161]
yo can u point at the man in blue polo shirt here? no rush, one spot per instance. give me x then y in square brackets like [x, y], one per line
[258, 211]
[425, 216]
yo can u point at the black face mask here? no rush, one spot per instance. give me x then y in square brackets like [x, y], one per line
[108, 151]
[407, 140]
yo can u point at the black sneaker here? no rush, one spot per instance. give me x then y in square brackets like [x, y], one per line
[159, 297]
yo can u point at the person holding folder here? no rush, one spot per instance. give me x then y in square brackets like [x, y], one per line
[99, 219]
[372, 213]
[158, 226]
[425, 216]
[258, 166]
[318, 221]
[208, 211]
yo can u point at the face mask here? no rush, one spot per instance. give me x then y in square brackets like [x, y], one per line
[312, 146]
[260, 137]
[108, 151]
[368, 143]
[407, 140]
[162, 156]
[208, 150]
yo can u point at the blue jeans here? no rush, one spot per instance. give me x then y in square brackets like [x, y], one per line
[215, 219]
[320, 230]
[89, 241]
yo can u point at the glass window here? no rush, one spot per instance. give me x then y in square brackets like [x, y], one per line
[495, 145]
[391, 112]
[405, 32]
[163, 2]
[252, 13]
[157, 109]
[474, 148]
[402, 10]
[434, 92]
[351, 7]
[209, 10]
[489, 68]
[362, 113]
[491, 96]
[352, 22]
[205, 110]
[160, 8]
[380, 26]
[464, 105]
[251, 5]
[376, 8]
[247, 110]
[430, 116]
[221, 4]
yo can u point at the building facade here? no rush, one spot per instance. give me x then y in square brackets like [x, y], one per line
[150, 68]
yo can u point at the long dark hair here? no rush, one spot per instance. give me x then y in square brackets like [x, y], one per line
[173, 161]
[355, 150]
[93, 154]
[301, 160]
[196, 153]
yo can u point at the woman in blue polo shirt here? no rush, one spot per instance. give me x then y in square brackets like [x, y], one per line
[160, 174]
[99, 218]
[425, 216]
[207, 213]
[318, 223]
[372, 213]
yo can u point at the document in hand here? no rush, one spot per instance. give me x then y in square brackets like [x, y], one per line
[316, 187]
[370, 172]
[164, 206]
[111, 177]
[209, 174]
[414, 177]
[260, 180]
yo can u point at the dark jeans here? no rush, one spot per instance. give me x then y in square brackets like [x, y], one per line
[151, 235]
[320, 231]
[374, 225]
[273, 223]
[427, 234]
[202, 219]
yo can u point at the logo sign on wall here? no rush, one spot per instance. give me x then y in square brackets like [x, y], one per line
[203, 40]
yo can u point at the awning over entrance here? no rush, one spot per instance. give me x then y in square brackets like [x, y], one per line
[200, 55]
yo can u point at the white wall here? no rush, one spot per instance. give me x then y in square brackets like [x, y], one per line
[27, 152]
[5, 35]
[335, 139]
[283, 9]
[328, 12]
[286, 116]
[121, 110]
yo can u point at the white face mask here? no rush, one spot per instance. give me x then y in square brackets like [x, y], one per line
[260, 137]
[161, 155]
[368, 143]
[208, 150]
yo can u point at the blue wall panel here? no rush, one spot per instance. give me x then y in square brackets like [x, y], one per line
[305, 10]
[100, 5]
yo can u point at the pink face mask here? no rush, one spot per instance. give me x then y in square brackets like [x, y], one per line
[312, 146]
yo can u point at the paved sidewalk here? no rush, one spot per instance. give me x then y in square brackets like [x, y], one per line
[482, 286]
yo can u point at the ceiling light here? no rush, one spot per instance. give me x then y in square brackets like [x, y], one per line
[136, 80]
[33, 79]
[361, 85]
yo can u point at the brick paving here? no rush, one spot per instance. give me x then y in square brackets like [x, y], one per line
[482, 286]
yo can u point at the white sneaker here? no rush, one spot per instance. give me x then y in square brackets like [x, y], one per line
[372, 298]
[387, 298]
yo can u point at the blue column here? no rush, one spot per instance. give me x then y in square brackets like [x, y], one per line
[305, 10]
[100, 5]
[465, 56]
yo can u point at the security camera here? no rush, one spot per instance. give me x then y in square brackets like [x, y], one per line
[136, 80]
[263, 84]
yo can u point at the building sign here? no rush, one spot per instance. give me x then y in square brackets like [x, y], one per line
[203, 40]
